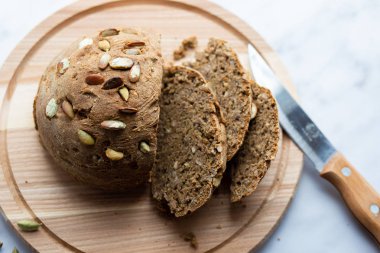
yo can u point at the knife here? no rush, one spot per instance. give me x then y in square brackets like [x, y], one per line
[360, 197]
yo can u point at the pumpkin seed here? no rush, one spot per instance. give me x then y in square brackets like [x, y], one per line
[51, 108]
[104, 60]
[113, 83]
[28, 225]
[124, 93]
[113, 125]
[144, 147]
[94, 79]
[128, 110]
[253, 111]
[15, 250]
[85, 138]
[216, 181]
[63, 65]
[121, 63]
[109, 32]
[68, 109]
[114, 155]
[104, 45]
[85, 42]
[134, 73]
[134, 44]
[132, 51]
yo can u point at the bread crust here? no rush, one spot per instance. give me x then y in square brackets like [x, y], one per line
[93, 102]
[260, 145]
[191, 155]
[220, 66]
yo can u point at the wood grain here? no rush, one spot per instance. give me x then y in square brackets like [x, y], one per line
[80, 219]
[359, 195]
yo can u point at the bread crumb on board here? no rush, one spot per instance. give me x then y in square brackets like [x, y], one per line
[191, 238]
[186, 45]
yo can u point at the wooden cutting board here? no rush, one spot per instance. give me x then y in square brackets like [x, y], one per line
[79, 219]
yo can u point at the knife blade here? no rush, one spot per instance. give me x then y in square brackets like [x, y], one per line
[359, 195]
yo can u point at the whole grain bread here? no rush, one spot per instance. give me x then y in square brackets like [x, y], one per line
[191, 153]
[259, 147]
[97, 110]
[186, 45]
[228, 80]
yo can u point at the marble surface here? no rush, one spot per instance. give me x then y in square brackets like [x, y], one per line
[331, 49]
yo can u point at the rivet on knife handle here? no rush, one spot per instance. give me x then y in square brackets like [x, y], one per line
[358, 194]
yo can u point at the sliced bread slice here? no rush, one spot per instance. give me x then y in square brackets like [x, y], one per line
[222, 69]
[259, 147]
[191, 154]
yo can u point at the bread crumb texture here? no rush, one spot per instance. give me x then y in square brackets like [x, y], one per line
[185, 46]
[226, 77]
[191, 155]
[259, 148]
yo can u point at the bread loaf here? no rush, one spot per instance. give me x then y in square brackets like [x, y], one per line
[97, 110]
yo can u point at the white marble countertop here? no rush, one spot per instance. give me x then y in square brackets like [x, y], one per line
[332, 52]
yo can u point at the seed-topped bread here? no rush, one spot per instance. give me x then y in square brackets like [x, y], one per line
[259, 147]
[227, 79]
[191, 153]
[97, 110]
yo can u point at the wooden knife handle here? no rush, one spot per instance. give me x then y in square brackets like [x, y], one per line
[359, 196]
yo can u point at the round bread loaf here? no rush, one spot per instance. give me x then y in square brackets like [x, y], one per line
[221, 67]
[191, 155]
[97, 110]
[260, 145]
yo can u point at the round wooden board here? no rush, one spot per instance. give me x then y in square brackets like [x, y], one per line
[79, 219]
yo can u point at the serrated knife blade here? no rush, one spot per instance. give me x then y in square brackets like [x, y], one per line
[358, 194]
